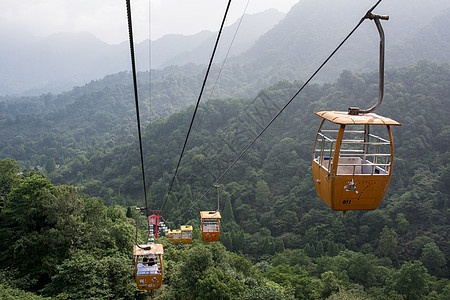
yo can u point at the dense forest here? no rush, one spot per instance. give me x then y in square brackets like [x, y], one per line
[67, 232]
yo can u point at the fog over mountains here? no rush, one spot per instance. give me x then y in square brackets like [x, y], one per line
[32, 65]
[268, 47]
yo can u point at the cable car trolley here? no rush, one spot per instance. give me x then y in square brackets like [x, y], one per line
[353, 157]
[148, 266]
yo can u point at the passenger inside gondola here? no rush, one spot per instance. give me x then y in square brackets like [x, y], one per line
[143, 268]
[153, 267]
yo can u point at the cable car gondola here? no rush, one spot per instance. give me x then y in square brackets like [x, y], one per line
[352, 158]
[351, 166]
[211, 222]
[186, 234]
[210, 225]
[148, 266]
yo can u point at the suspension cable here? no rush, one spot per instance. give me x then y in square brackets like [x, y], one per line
[197, 105]
[285, 106]
[133, 67]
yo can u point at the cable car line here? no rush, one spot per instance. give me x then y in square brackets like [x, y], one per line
[368, 15]
[198, 103]
[148, 262]
[133, 68]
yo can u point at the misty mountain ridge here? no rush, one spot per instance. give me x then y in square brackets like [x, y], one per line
[312, 29]
[250, 29]
[32, 65]
[290, 49]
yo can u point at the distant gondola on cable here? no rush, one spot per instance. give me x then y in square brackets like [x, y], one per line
[176, 236]
[210, 225]
[186, 234]
[148, 266]
[211, 222]
[352, 159]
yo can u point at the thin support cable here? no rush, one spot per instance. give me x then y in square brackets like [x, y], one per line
[198, 102]
[229, 49]
[133, 67]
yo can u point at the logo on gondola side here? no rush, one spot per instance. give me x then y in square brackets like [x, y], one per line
[351, 186]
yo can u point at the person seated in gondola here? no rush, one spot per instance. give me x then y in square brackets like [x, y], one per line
[143, 268]
[153, 267]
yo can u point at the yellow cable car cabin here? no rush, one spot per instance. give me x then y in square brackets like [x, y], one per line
[169, 235]
[186, 234]
[352, 165]
[176, 236]
[148, 266]
[210, 225]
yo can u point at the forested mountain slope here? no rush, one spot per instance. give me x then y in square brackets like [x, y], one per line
[56, 243]
[92, 118]
[227, 125]
[270, 211]
[290, 51]
[271, 187]
[32, 65]
[240, 35]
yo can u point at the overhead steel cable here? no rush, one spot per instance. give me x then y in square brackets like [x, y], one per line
[197, 105]
[133, 69]
[366, 16]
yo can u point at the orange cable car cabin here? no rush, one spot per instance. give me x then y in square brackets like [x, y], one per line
[210, 225]
[352, 165]
[186, 234]
[148, 266]
[353, 157]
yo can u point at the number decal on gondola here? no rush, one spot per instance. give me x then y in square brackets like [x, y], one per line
[346, 201]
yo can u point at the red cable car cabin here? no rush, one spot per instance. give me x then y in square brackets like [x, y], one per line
[352, 166]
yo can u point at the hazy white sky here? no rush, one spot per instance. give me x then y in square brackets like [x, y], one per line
[106, 19]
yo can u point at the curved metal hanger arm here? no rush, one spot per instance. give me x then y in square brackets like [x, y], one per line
[376, 19]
